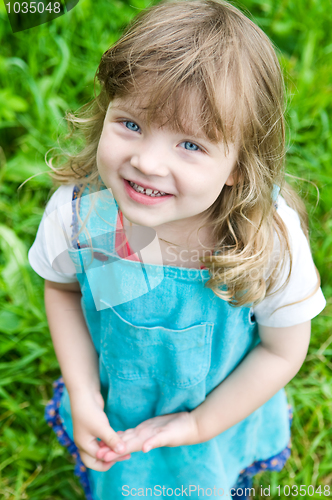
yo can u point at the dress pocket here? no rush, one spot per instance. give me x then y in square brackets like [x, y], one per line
[179, 358]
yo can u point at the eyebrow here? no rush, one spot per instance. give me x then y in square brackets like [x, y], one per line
[130, 110]
[186, 131]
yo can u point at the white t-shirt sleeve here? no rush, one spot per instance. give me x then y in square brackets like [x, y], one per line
[48, 255]
[302, 282]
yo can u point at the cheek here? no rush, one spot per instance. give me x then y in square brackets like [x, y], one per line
[101, 155]
[111, 154]
[105, 155]
[210, 190]
[211, 186]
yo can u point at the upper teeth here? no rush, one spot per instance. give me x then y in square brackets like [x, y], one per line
[148, 191]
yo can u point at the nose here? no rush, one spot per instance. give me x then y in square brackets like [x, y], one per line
[150, 158]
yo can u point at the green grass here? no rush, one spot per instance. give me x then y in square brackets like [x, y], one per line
[49, 69]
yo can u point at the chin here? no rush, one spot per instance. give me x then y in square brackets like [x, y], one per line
[141, 222]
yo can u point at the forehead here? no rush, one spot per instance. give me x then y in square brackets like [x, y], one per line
[173, 114]
[185, 110]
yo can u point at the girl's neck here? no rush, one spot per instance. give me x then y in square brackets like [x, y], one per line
[181, 244]
[183, 234]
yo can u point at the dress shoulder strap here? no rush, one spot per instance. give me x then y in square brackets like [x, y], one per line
[94, 213]
[75, 202]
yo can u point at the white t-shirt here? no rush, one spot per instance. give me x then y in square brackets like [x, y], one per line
[54, 238]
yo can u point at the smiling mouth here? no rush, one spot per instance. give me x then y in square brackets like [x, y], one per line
[146, 191]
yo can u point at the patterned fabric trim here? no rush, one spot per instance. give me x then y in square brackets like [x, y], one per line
[52, 417]
[245, 483]
[275, 463]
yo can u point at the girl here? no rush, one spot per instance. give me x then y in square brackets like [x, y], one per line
[179, 286]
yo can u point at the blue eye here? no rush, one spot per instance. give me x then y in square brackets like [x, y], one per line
[190, 146]
[131, 126]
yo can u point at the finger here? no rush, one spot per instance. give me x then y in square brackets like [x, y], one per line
[90, 447]
[93, 448]
[132, 445]
[93, 463]
[157, 441]
[113, 462]
[113, 440]
[101, 465]
[148, 446]
[126, 457]
[102, 451]
[110, 456]
[103, 448]
[119, 459]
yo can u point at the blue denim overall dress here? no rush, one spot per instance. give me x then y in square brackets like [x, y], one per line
[164, 342]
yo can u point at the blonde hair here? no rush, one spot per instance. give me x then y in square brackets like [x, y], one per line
[210, 51]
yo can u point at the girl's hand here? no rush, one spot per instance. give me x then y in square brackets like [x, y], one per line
[175, 429]
[90, 422]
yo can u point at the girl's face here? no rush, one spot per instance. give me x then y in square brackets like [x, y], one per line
[159, 176]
